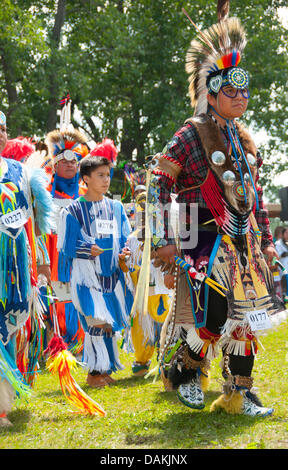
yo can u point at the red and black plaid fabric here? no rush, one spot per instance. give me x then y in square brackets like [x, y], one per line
[186, 149]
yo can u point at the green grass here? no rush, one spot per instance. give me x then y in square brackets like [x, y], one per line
[140, 414]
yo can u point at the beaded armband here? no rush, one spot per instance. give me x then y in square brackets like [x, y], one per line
[42, 252]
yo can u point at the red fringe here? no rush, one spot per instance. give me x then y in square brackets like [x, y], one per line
[31, 238]
[56, 344]
[213, 197]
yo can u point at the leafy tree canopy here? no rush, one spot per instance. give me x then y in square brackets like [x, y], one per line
[123, 63]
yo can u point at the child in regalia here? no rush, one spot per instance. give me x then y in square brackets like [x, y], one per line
[91, 242]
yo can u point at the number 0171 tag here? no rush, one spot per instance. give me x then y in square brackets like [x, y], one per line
[258, 320]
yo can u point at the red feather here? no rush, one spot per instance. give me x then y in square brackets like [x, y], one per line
[18, 149]
[105, 149]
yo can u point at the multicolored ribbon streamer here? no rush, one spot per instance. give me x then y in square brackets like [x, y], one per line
[202, 277]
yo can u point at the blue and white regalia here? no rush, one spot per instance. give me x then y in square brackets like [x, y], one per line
[100, 291]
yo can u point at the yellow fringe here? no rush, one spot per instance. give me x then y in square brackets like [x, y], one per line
[62, 364]
[231, 403]
[205, 381]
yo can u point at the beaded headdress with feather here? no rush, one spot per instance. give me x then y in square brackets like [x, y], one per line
[215, 50]
[58, 141]
[67, 137]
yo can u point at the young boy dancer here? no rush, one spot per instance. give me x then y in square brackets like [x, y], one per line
[93, 233]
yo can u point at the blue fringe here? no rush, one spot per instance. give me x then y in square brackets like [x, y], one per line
[5, 357]
[68, 251]
[72, 325]
[114, 364]
[64, 267]
[43, 199]
[85, 299]
[9, 265]
[72, 234]
[113, 305]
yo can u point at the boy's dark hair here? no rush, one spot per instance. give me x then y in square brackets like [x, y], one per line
[89, 164]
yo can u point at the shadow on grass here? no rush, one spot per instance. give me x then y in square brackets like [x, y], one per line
[19, 419]
[187, 427]
[172, 397]
[52, 394]
[126, 382]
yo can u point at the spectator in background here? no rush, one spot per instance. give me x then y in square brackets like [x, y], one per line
[281, 246]
[278, 233]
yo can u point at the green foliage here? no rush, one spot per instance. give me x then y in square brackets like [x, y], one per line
[140, 414]
[123, 63]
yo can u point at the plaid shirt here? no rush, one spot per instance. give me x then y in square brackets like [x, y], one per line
[186, 149]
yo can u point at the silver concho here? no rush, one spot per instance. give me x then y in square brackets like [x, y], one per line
[247, 178]
[229, 177]
[69, 155]
[218, 158]
[251, 159]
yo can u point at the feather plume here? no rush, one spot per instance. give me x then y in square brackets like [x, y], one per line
[105, 149]
[18, 149]
[39, 159]
[62, 362]
[223, 7]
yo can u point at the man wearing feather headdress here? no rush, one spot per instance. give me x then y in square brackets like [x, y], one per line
[66, 147]
[224, 291]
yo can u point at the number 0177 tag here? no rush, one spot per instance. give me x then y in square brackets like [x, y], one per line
[258, 320]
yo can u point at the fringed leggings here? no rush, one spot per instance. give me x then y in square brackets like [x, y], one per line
[216, 318]
[100, 352]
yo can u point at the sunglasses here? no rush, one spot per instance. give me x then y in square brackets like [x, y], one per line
[232, 92]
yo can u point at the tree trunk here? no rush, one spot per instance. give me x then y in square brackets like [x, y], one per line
[54, 78]
[10, 85]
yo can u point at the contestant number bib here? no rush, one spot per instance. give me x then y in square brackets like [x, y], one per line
[14, 219]
[105, 227]
[258, 320]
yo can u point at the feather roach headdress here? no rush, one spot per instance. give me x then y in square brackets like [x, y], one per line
[18, 149]
[32, 154]
[59, 142]
[213, 57]
[105, 149]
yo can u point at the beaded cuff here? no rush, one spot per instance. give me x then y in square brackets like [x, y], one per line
[42, 252]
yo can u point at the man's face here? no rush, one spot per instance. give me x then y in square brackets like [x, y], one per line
[66, 168]
[231, 106]
[99, 179]
[3, 137]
